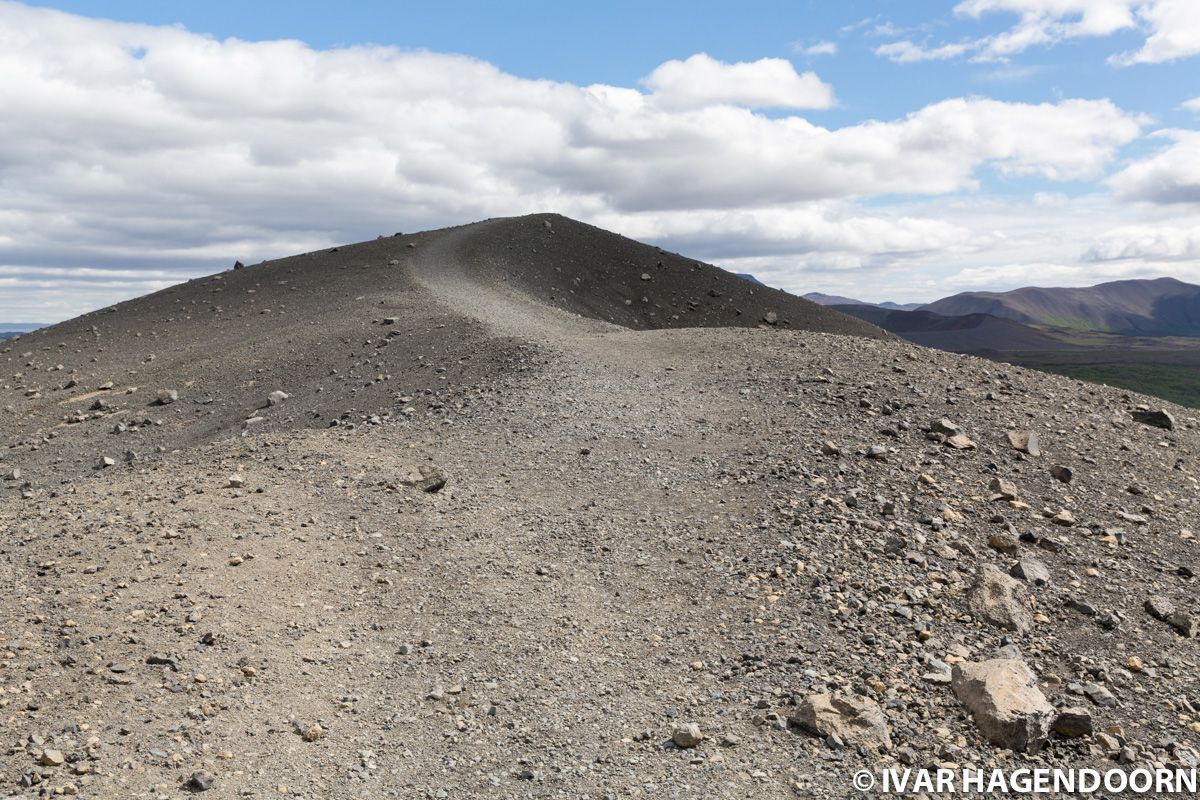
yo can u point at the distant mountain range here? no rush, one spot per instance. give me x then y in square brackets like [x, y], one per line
[967, 333]
[1162, 307]
[838, 300]
[1140, 334]
[1159, 307]
[10, 329]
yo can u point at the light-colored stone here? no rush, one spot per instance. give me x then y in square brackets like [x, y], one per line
[946, 427]
[687, 734]
[854, 720]
[1003, 487]
[1025, 442]
[960, 442]
[425, 477]
[1000, 600]
[1004, 542]
[1064, 518]
[309, 731]
[1003, 697]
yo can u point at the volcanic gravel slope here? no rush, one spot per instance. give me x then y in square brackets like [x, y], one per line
[651, 518]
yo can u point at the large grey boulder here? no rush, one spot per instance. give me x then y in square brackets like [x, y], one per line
[1000, 600]
[1003, 698]
[852, 719]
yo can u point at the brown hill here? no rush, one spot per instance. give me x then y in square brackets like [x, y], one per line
[1161, 307]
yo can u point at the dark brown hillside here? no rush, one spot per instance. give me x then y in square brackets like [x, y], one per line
[605, 276]
[350, 330]
[441, 516]
[970, 333]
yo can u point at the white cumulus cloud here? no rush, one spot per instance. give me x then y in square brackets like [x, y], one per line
[702, 81]
[1170, 176]
[1174, 32]
[1147, 243]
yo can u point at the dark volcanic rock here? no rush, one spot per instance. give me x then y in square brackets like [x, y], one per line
[1159, 418]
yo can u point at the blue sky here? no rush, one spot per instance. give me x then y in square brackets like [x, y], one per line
[882, 149]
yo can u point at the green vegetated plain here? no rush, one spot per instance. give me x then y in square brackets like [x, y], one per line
[1160, 366]
[1178, 384]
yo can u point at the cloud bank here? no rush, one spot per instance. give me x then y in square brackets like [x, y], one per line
[134, 155]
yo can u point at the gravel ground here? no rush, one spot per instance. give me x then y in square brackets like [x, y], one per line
[821, 550]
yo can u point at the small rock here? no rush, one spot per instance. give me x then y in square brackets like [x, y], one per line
[1185, 624]
[1064, 518]
[1025, 442]
[309, 731]
[960, 442]
[167, 396]
[1031, 571]
[1082, 606]
[1061, 473]
[199, 782]
[687, 734]
[161, 660]
[946, 427]
[425, 477]
[1159, 607]
[1074, 722]
[1004, 542]
[1100, 695]
[276, 397]
[1005, 488]
[52, 758]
